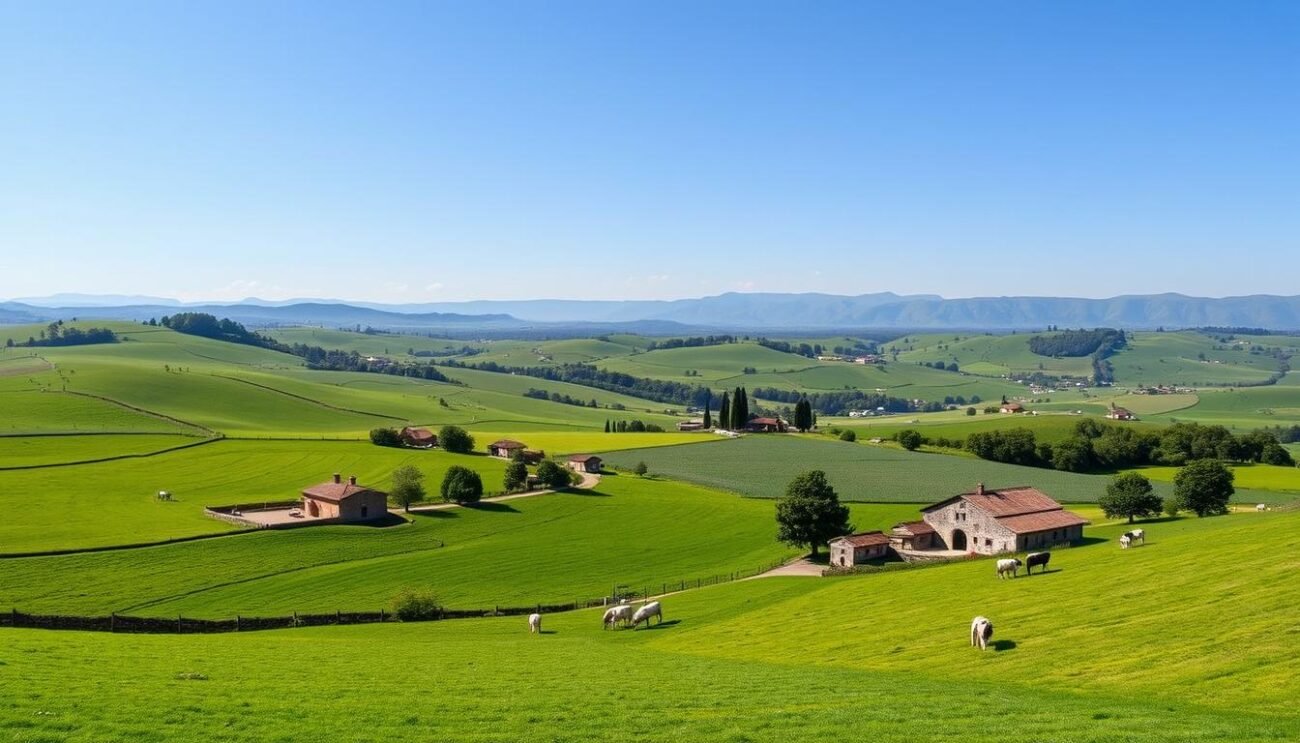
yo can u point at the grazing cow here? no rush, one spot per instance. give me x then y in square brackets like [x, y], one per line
[652, 609]
[1037, 558]
[1137, 535]
[981, 631]
[1261, 507]
[1125, 541]
[615, 614]
[535, 623]
[1010, 565]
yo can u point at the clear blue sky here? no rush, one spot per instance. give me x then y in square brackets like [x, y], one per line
[433, 151]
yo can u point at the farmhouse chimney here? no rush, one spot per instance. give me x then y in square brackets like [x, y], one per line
[979, 489]
[337, 478]
[352, 480]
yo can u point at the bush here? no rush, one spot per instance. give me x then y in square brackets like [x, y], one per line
[385, 437]
[909, 439]
[516, 477]
[848, 434]
[970, 411]
[455, 440]
[553, 475]
[461, 485]
[408, 486]
[416, 606]
[1172, 506]
[640, 469]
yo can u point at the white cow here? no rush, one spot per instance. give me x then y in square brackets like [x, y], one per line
[652, 609]
[1261, 507]
[1010, 565]
[1137, 535]
[535, 623]
[615, 614]
[1125, 541]
[981, 631]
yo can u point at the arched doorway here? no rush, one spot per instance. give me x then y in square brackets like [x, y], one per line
[312, 509]
[958, 541]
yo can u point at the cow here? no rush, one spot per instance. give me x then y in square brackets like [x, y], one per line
[652, 609]
[1261, 507]
[981, 631]
[615, 614]
[535, 623]
[1037, 558]
[1137, 535]
[1010, 565]
[1125, 541]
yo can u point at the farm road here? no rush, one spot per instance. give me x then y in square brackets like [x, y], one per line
[589, 481]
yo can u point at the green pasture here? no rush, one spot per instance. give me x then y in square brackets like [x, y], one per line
[1175, 359]
[23, 451]
[1250, 477]
[1084, 653]
[33, 410]
[109, 503]
[762, 465]
[549, 548]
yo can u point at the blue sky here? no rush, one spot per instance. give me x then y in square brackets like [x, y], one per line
[440, 151]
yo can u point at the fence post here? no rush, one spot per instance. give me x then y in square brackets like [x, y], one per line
[112, 622]
[237, 622]
[295, 619]
[338, 616]
[381, 615]
[179, 629]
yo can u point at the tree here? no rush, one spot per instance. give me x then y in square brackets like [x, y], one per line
[385, 437]
[1171, 506]
[970, 411]
[552, 475]
[408, 486]
[724, 412]
[1204, 487]
[803, 415]
[848, 434]
[455, 440]
[1073, 454]
[810, 512]
[1130, 496]
[708, 414]
[640, 469]
[739, 410]
[516, 477]
[909, 439]
[1274, 454]
[606, 425]
[461, 485]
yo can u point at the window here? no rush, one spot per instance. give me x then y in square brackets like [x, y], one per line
[364, 509]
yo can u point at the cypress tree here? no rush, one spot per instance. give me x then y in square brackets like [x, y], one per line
[606, 425]
[724, 412]
[708, 414]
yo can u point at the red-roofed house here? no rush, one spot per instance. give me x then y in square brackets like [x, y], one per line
[344, 501]
[913, 535]
[858, 548]
[584, 463]
[1011, 407]
[505, 448]
[419, 438]
[765, 425]
[987, 522]
[1120, 414]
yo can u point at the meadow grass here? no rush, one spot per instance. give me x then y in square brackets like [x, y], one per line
[762, 466]
[1081, 654]
[26, 451]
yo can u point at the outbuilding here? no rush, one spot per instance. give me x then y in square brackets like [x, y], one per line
[1117, 413]
[419, 438]
[858, 548]
[1014, 519]
[913, 535]
[765, 425]
[1011, 408]
[505, 448]
[345, 502]
[585, 463]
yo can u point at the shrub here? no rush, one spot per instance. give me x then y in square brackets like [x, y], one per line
[553, 475]
[516, 477]
[385, 437]
[461, 485]
[408, 486]
[970, 411]
[848, 434]
[1172, 506]
[909, 439]
[640, 469]
[416, 606]
[455, 440]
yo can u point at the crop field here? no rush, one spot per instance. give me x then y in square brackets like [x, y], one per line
[1072, 660]
[761, 466]
[526, 550]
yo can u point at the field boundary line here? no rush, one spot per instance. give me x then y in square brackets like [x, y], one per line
[310, 400]
[121, 547]
[114, 458]
[144, 411]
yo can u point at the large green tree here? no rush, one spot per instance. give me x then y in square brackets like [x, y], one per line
[461, 485]
[455, 440]
[1204, 487]
[408, 486]
[910, 439]
[553, 475]
[708, 413]
[516, 476]
[1130, 496]
[810, 513]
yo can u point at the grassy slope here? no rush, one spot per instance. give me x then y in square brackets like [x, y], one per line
[113, 502]
[762, 465]
[1085, 653]
[44, 450]
[543, 549]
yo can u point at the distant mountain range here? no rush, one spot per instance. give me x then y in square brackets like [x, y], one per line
[732, 311]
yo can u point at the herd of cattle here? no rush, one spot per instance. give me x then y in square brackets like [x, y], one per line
[623, 614]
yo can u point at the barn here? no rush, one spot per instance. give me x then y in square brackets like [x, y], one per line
[585, 463]
[1117, 413]
[765, 425]
[419, 438]
[858, 548]
[1014, 519]
[505, 448]
[1011, 408]
[346, 502]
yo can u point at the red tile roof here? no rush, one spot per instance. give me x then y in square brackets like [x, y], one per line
[419, 434]
[1012, 406]
[583, 458]
[865, 539]
[335, 492]
[1036, 522]
[765, 422]
[1010, 501]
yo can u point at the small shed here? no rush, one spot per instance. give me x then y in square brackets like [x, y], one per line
[695, 424]
[585, 463]
[858, 548]
[1011, 408]
[505, 448]
[346, 502]
[419, 438]
[1120, 414]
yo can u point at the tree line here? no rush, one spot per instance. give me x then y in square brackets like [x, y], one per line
[559, 397]
[838, 403]
[659, 390]
[55, 334]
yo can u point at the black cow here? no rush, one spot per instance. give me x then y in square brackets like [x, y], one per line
[1037, 558]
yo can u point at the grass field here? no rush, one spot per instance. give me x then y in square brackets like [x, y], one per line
[761, 466]
[26, 451]
[767, 660]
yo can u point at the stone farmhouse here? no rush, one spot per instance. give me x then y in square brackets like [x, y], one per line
[1117, 413]
[858, 548]
[987, 522]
